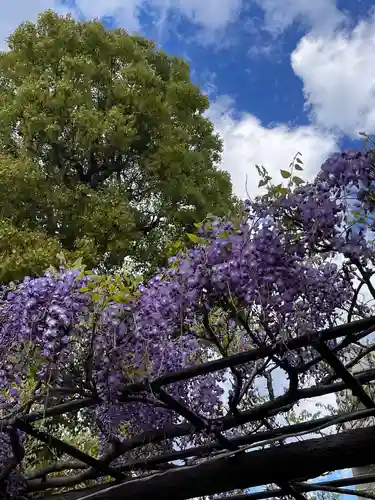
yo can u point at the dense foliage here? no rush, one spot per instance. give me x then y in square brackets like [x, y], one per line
[290, 264]
[104, 149]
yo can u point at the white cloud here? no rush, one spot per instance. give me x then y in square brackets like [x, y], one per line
[205, 15]
[247, 142]
[125, 12]
[210, 20]
[16, 12]
[338, 75]
[319, 16]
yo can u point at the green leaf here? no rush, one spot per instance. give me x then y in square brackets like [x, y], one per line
[298, 181]
[285, 174]
[194, 238]
[262, 182]
[93, 225]
[224, 234]
[280, 189]
[77, 264]
[226, 342]
[298, 167]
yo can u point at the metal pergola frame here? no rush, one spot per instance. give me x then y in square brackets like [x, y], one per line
[258, 458]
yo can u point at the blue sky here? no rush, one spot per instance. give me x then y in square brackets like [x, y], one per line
[282, 75]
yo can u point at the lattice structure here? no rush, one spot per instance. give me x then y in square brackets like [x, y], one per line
[262, 451]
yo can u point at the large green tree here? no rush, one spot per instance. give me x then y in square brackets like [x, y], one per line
[105, 150]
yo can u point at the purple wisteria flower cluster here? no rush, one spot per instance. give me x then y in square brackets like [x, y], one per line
[275, 265]
[322, 212]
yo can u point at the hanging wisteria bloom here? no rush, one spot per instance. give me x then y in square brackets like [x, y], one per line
[263, 279]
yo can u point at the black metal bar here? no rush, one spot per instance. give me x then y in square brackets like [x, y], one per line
[69, 407]
[229, 422]
[259, 495]
[250, 439]
[148, 464]
[351, 363]
[292, 462]
[251, 415]
[347, 481]
[198, 422]
[67, 448]
[252, 355]
[292, 490]
[344, 343]
[353, 384]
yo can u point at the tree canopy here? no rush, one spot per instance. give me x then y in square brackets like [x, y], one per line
[105, 149]
[293, 264]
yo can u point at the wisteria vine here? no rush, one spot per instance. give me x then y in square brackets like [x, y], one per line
[269, 276]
